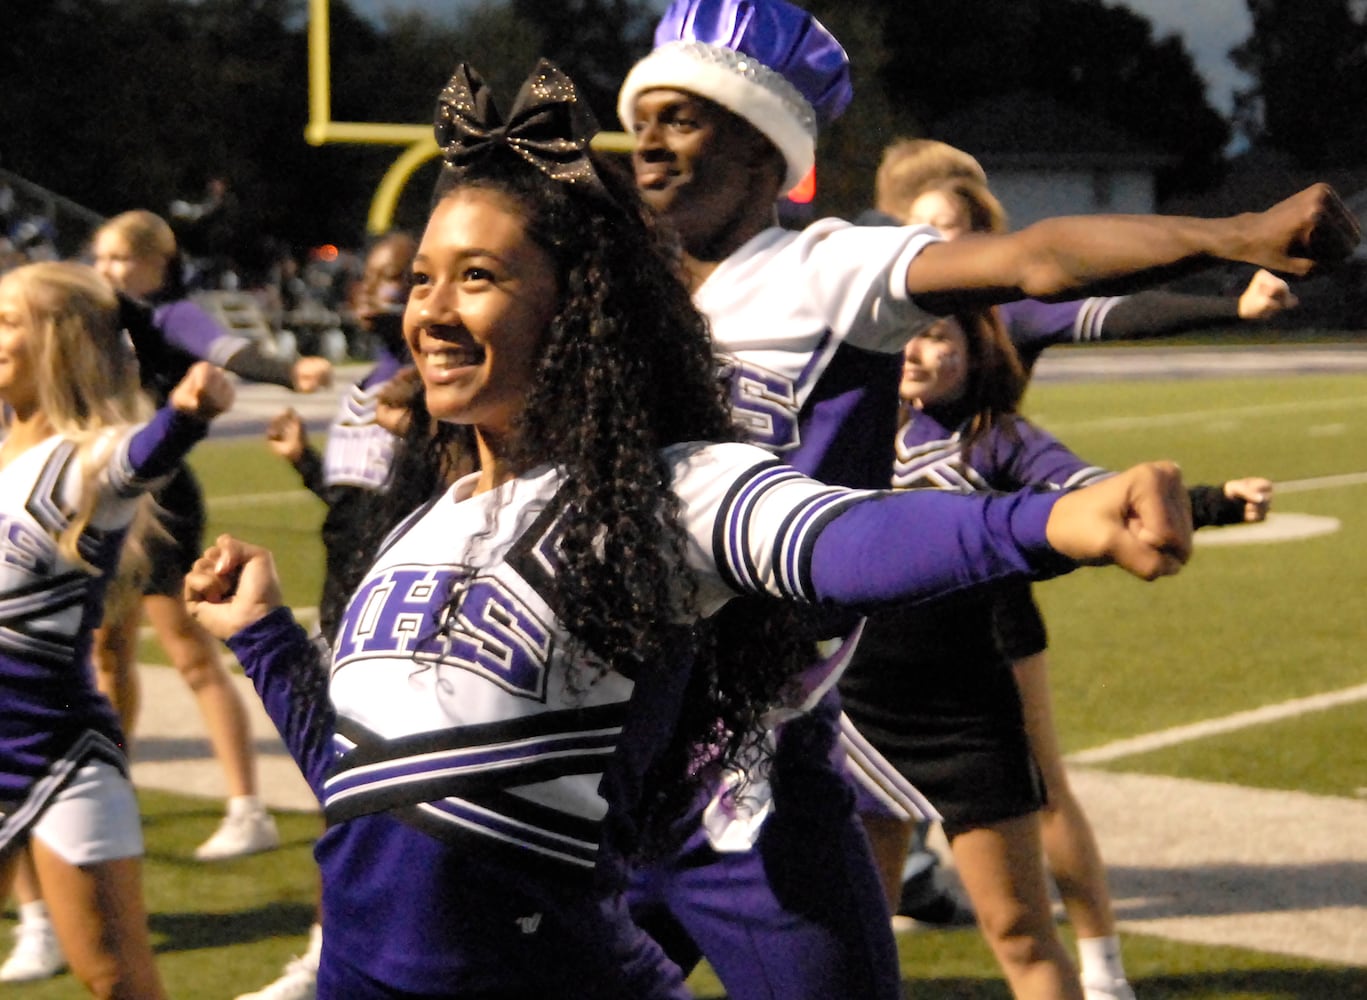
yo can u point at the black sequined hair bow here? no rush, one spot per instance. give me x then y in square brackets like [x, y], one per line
[550, 125]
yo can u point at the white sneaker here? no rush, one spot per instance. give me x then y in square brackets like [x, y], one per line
[1116, 989]
[248, 833]
[299, 981]
[36, 955]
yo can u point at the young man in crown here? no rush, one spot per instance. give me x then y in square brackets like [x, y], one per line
[775, 886]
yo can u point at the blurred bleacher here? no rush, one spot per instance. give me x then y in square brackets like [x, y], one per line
[38, 224]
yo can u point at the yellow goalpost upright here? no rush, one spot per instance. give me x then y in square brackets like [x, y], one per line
[416, 140]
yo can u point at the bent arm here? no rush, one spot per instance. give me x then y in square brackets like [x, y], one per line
[158, 446]
[274, 652]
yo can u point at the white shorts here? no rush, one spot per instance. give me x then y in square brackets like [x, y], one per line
[93, 818]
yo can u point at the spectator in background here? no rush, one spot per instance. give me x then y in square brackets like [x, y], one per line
[209, 230]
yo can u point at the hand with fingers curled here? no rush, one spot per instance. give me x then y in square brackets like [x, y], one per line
[205, 391]
[286, 435]
[311, 373]
[1266, 296]
[232, 585]
[1298, 235]
[1139, 520]
[1255, 492]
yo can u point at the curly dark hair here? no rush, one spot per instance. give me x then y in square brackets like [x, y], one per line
[627, 369]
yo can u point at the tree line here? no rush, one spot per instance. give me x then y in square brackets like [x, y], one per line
[134, 103]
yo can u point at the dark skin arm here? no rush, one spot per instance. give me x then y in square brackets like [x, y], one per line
[1106, 254]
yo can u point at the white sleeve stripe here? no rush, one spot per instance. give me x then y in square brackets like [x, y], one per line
[800, 535]
[1091, 317]
[223, 348]
[769, 527]
[737, 516]
[1084, 477]
[873, 771]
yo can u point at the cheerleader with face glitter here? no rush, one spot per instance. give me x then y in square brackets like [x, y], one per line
[932, 691]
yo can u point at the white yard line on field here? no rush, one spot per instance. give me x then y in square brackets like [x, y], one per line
[1321, 483]
[1214, 727]
[1197, 416]
[253, 499]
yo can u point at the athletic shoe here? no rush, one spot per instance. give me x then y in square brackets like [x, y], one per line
[1116, 989]
[237, 836]
[299, 981]
[36, 954]
[931, 902]
[945, 910]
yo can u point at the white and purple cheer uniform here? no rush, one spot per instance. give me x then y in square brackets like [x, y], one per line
[930, 689]
[353, 467]
[808, 327]
[469, 770]
[54, 720]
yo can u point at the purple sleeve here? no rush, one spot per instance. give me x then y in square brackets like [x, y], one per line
[159, 445]
[271, 652]
[1017, 455]
[948, 542]
[1033, 325]
[186, 326]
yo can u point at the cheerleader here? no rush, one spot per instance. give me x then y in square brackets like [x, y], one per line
[74, 469]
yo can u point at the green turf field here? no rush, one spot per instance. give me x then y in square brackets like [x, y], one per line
[1243, 627]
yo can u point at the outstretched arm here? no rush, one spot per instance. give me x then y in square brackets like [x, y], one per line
[1139, 519]
[1088, 254]
[925, 544]
[1238, 501]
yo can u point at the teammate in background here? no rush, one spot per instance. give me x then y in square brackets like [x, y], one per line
[959, 205]
[136, 253]
[523, 688]
[725, 112]
[932, 690]
[359, 450]
[74, 469]
[354, 467]
[927, 182]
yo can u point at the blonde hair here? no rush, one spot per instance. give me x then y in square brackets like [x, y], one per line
[985, 213]
[910, 166]
[146, 233]
[83, 364]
